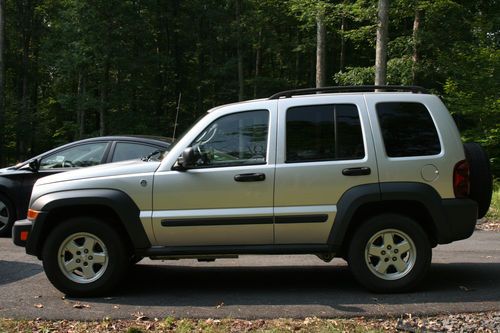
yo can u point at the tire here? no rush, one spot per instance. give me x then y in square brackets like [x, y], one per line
[93, 273]
[7, 216]
[397, 241]
[481, 181]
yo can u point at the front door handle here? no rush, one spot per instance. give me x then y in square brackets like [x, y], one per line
[250, 177]
[362, 171]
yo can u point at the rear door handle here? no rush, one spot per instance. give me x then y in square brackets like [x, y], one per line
[362, 171]
[250, 177]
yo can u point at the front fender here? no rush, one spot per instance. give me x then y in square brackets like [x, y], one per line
[119, 202]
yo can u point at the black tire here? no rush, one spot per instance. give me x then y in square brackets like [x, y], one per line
[7, 216]
[110, 274]
[481, 181]
[363, 266]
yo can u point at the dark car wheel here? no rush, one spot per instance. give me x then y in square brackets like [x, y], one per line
[84, 257]
[481, 181]
[389, 253]
[7, 216]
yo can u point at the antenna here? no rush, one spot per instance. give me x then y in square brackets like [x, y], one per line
[177, 115]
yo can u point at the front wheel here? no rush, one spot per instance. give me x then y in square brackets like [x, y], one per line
[389, 253]
[84, 257]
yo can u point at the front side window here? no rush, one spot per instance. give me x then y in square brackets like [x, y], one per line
[75, 157]
[407, 129]
[235, 139]
[323, 133]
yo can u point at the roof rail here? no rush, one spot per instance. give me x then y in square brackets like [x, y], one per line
[290, 93]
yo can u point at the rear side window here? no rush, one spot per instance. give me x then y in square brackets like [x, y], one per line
[407, 129]
[129, 151]
[323, 133]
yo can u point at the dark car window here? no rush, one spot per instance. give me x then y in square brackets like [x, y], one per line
[129, 151]
[407, 129]
[323, 133]
[75, 157]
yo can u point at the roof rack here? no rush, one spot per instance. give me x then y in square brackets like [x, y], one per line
[295, 92]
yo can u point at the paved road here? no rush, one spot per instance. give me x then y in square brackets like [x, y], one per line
[465, 276]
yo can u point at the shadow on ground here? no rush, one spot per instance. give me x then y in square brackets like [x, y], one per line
[177, 286]
[11, 271]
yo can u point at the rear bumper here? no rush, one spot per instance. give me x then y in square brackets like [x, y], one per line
[21, 232]
[461, 217]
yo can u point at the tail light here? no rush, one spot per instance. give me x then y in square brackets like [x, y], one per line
[461, 181]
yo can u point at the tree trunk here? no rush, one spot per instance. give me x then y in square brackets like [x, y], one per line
[241, 92]
[416, 33]
[2, 82]
[23, 116]
[257, 63]
[382, 39]
[104, 99]
[80, 108]
[342, 43]
[320, 50]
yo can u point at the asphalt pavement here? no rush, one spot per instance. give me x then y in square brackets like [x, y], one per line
[464, 277]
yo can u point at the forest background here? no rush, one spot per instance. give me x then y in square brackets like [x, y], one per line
[74, 69]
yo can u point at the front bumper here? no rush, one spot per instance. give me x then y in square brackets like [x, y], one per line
[21, 232]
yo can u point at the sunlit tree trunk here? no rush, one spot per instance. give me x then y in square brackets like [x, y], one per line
[382, 39]
[320, 50]
[416, 37]
[241, 92]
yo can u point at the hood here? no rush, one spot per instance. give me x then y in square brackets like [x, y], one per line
[103, 170]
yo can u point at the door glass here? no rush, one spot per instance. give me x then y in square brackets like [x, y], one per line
[75, 157]
[323, 133]
[235, 139]
[129, 151]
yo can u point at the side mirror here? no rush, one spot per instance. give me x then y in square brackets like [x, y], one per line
[186, 160]
[34, 165]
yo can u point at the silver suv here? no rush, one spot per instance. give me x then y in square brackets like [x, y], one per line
[377, 178]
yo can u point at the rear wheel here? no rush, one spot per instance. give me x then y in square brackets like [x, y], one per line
[389, 253]
[84, 257]
[7, 216]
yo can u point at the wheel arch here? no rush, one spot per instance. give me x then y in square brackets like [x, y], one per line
[113, 206]
[418, 201]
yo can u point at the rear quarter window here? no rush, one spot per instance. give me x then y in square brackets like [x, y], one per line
[407, 129]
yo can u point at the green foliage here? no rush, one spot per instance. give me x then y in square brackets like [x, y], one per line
[69, 61]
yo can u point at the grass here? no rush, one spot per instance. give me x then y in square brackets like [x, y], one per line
[494, 212]
[356, 325]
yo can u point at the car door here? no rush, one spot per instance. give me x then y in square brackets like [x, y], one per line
[324, 149]
[227, 197]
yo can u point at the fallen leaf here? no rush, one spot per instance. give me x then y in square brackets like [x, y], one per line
[139, 316]
[39, 306]
[81, 306]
